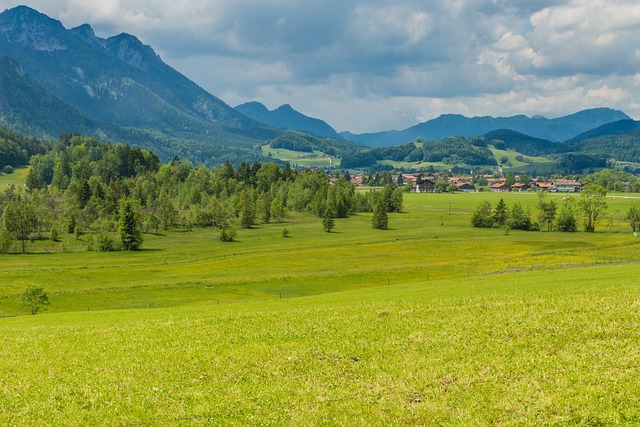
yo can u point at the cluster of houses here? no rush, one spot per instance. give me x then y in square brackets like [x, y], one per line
[560, 186]
[429, 183]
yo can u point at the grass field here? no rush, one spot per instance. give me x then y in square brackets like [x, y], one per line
[429, 323]
[17, 178]
[300, 158]
[532, 161]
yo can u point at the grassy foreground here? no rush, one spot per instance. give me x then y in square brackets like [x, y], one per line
[512, 349]
[430, 323]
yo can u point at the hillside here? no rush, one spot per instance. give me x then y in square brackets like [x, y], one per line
[120, 82]
[525, 144]
[609, 129]
[286, 117]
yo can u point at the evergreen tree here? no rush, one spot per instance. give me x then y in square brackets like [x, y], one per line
[247, 210]
[380, 219]
[129, 225]
[34, 182]
[327, 221]
[500, 214]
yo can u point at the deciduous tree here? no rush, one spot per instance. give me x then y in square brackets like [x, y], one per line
[633, 218]
[482, 217]
[20, 219]
[34, 299]
[592, 204]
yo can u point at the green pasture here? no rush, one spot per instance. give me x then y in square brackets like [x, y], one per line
[541, 164]
[431, 240]
[17, 178]
[300, 158]
[511, 155]
[552, 347]
[432, 322]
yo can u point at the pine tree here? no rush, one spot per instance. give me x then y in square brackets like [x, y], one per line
[500, 214]
[380, 219]
[129, 226]
[327, 221]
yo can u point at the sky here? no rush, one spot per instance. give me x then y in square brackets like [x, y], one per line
[374, 65]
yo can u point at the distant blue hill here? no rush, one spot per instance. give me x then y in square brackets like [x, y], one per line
[559, 129]
[609, 129]
[286, 117]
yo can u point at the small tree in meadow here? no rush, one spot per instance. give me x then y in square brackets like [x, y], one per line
[500, 214]
[129, 225]
[482, 217]
[327, 222]
[519, 218]
[566, 221]
[34, 299]
[633, 218]
[380, 220]
[227, 234]
[592, 203]
[546, 210]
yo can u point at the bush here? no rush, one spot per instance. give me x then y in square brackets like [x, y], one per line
[106, 243]
[5, 241]
[227, 234]
[482, 217]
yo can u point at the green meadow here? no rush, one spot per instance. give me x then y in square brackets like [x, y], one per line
[301, 158]
[431, 322]
[18, 177]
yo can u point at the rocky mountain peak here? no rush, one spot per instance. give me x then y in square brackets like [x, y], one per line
[32, 29]
[85, 32]
[131, 50]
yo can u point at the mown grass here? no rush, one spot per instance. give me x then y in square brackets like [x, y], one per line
[529, 348]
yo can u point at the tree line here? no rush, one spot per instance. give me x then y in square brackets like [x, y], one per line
[114, 193]
[590, 207]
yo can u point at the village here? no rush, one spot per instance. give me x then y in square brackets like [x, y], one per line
[439, 182]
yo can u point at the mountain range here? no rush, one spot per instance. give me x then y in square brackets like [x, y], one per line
[116, 88]
[286, 117]
[558, 129]
[55, 80]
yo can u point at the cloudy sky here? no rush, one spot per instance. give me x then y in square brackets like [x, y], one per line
[371, 65]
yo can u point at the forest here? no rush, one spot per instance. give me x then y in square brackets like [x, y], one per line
[81, 186]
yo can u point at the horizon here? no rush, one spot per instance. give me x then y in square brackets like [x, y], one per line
[533, 60]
